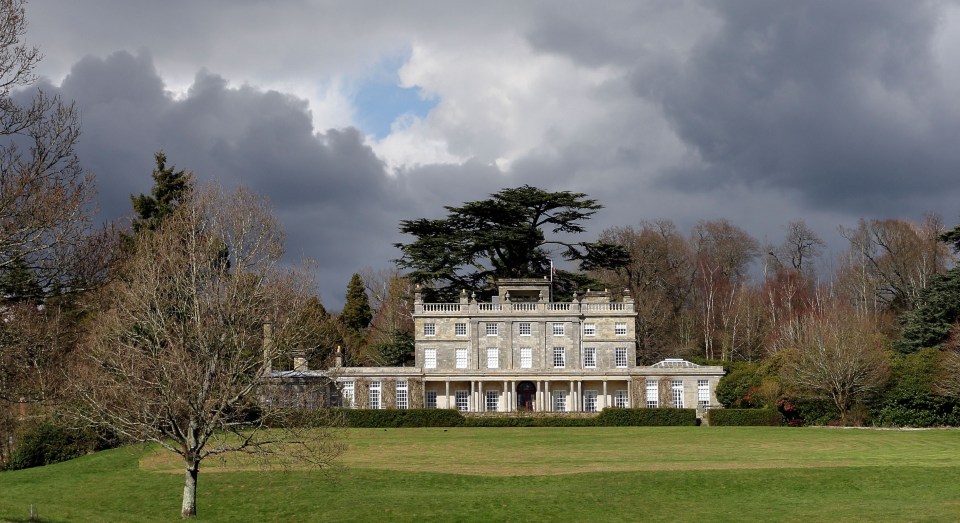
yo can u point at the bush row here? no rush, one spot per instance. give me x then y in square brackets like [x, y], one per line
[744, 417]
[367, 418]
[395, 418]
[646, 417]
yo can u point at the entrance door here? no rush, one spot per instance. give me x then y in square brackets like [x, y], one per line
[526, 396]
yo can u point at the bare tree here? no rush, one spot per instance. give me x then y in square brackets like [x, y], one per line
[723, 255]
[44, 193]
[660, 277]
[837, 356]
[176, 357]
[890, 261]
[799, 249]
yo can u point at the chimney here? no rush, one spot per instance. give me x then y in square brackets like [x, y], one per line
[267, 347]
[300, 361]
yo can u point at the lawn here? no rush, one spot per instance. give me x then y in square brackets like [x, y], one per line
[534, 474]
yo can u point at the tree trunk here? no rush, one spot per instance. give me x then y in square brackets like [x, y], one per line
[189, 507]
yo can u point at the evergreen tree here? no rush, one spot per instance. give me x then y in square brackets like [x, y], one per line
[169, 191]
[504, 236]
[18, 283]
[937, 314]
[356, 313]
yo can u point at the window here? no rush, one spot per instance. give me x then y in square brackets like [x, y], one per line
[621, 357]
[559, 401]
[431, 399]
[525, 329]
[703, 393]
[526, 357]
[590, 358]
[493, 399]
[462, 399]
[460, 329]
[491, 329]
[559, 357]
[461, 358]
[676, 391]
[653, 394]
[430, 358]
[589, 329]
[374, 394]
[620, 329]
[429, 329]
[558, 329]
[590, 401]
[493, 358]
[346, 399]
[403, 399]
[620, 399]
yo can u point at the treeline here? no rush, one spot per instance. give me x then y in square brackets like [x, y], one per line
[870, 337]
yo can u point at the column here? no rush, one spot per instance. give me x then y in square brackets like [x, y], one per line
[472, 402]
[482, 400]
[548, 404]
[447, 385]
[579, 395]
[573, 399]
[506, 398]
[538, 403]
[606, 400]
[630, 393]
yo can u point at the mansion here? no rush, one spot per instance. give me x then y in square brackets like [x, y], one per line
[523, 352]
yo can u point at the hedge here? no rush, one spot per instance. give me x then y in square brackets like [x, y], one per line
[397, 418]
[369, 418]
[744, 417]
[646, 417]
[530, 421]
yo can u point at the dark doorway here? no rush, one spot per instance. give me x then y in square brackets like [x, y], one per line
[526, 395]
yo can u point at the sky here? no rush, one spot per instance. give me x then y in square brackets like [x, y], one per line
[352, 116]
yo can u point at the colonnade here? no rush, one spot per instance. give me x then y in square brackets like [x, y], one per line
[543, 395]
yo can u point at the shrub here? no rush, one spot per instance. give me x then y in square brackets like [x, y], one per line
[744, 417]
[387, 418]
[646, 417]
[48, 443]
[909, 400]
[530, 421]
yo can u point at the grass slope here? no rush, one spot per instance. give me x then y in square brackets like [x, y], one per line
[538, 474]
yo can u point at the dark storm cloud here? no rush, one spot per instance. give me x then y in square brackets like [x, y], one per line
[329, 189]
[840, 103]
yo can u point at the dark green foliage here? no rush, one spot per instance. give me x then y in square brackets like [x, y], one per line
[531, 421]
[810, 411]
[50, 442]
[736, 389]
[396, 418]
[18, 283]
[936, 314]
[356, 313]
[396, 349]
[952, 238]
[744, 417]
[502, 237]
[170, 189]
[646, 417]
[909, 400]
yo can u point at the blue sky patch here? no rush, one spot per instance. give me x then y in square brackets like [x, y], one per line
[380, 99]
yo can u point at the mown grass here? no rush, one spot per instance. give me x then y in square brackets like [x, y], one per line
[537, 474]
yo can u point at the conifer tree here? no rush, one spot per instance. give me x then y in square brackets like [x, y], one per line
[169, 191]
[356, 313]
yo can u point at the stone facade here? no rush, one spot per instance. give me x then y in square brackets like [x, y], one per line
[523, 352]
